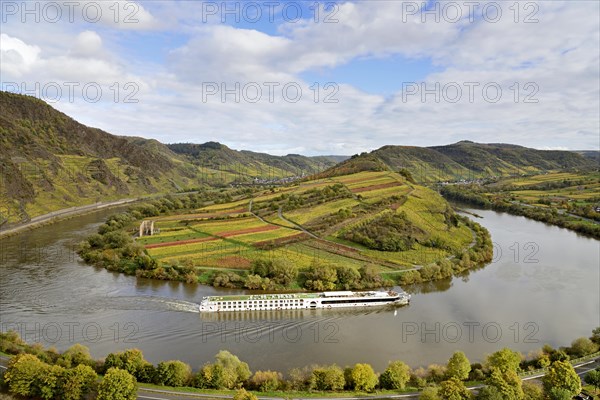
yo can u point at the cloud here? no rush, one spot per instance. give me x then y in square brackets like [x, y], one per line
[554, 61]
[17, 56]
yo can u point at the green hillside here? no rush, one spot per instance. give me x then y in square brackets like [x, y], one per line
[464, 160]
[49, 162]
[353, 231]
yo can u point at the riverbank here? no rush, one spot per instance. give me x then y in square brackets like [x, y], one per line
[548, 215]
[174, 378]
[59, 215]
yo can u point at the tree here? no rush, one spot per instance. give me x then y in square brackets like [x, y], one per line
[454, 389]
[266, 381]
[77, 382]
[75, 355]
[596, 335]
[561, 374]
[508, 384]
[363, 377]
[532, 391]
[505, 360]
[242, 394]
[233, 371]
[117, 384]
[327, 378]
[49, 381]
[459, 366]
[430, 393]
[582, 347]
[23, 373]
[348, 277]
[559, 355]
[593, 378]
[320, 276]
[395, 376]
[557, 393]
[173, 373]
[489, 393]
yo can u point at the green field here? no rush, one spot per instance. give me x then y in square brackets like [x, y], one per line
[229, 236]
[577, 193]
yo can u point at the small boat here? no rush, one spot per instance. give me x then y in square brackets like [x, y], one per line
[299, 301]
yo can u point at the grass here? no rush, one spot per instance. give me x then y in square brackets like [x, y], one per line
[282, 394]
[234, 242]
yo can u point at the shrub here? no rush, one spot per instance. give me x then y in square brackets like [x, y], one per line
[327, 378]
[266, 381]
[117, 385]
[173, 373]
[363, 377]
[395, 376]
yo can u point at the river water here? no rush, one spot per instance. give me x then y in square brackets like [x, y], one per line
[543, 287]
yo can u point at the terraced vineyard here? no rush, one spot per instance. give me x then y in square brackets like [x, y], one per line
[309, 221]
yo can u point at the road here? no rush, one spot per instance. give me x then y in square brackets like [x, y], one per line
[67, 212]
[157, 394]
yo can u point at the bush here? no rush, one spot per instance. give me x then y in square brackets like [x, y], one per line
[363, 378]
[395, 376]
[458, 366]
[173, 373]
[75, 355]
[228, 372]
[320, 277]
[24, 373]
[389, 231]
[582, 347]
[266, 381]
[117, 385]
[327, 378]
[242, 394]
[77, 382]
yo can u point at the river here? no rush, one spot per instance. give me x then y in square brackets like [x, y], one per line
[543, 287]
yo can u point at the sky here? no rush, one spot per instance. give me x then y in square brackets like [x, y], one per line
[312, 77]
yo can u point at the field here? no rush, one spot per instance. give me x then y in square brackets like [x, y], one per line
[270, 225]
[577, 193]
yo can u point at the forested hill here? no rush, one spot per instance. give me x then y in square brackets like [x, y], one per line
[463, 160]
[49, 162]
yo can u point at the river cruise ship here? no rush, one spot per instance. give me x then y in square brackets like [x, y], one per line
[299, 301]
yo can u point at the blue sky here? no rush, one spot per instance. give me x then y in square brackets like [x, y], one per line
[177, 51]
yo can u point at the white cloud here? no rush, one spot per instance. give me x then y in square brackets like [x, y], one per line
[558, 54]
[17, 56]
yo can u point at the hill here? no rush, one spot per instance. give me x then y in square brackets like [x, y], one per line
[463, 160]
[49, 162]
[243, 164]
[355, 231]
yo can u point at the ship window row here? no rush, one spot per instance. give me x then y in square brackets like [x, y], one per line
[261, 302]
[376, 300]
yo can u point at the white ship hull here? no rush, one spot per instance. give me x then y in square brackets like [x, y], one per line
[303, 301]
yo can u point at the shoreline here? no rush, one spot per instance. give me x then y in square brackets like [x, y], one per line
[61, 215]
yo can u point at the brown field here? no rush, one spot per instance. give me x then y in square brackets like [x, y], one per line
[235, 262]
[249, 230]
[375, 187]
[180, 242]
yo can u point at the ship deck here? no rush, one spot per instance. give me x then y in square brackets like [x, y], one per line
[275, 296]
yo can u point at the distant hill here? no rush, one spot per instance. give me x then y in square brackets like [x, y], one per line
[463, 160]
[244, 164]
[591, 154]
[49, 161]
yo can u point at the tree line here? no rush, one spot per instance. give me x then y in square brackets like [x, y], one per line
[547, 215]
[72, 375]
